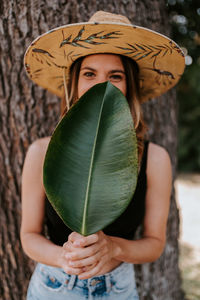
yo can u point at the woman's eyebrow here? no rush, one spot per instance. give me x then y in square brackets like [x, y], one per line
[111, 71]
[117, 71]
[88, 68]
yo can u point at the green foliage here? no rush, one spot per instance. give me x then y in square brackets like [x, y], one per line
[185, 20]
[90, 169]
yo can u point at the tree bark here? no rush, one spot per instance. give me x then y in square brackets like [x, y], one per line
[29, 112]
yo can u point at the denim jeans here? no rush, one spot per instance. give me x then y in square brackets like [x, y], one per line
[50, 283]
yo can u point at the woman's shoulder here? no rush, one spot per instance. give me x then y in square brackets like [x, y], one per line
[38, 148]
[157, 153]
[158, 160]
[41, 143]
[33, 164]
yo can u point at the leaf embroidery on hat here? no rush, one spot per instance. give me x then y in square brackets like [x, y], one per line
[79, 40]
[163, 77]
[43, 56]
[43, 52]
[175, 47]
[140, 51]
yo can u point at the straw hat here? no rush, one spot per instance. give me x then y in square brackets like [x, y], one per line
[49, 58]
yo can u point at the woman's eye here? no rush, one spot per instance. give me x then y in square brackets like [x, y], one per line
[88, 74]
[116, 77]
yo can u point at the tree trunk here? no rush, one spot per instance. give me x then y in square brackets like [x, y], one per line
[29, 112]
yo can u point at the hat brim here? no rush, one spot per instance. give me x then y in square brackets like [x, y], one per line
[161, 62]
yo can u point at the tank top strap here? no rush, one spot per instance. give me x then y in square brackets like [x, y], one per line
[144, 158]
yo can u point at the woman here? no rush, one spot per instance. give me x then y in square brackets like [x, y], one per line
[99, 266]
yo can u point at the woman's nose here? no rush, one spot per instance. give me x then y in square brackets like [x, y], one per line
[101, 78]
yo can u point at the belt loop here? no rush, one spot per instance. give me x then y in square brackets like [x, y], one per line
[108, 283]
[71, 282]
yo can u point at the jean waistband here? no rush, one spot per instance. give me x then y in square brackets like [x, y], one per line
[124, 269]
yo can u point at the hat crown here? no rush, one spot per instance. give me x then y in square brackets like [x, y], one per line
[49, 58]
[102, 16]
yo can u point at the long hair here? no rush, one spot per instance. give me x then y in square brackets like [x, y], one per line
[133, 95]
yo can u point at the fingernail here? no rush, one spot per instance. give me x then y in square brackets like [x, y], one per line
[77, 243]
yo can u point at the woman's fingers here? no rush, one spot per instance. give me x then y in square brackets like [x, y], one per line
[81, 253]
[72, 271]
[88, 273]
[74, 236]
[64, 263]
[88, 261]
[82, 241]
[87, 256]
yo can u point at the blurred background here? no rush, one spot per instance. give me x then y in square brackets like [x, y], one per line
[185, 20]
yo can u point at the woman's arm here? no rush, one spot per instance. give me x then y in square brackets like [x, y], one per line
[147, 249]
[159, 182]
[35, 245]
[33, 200]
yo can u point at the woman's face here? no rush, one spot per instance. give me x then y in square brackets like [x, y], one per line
[98, 68]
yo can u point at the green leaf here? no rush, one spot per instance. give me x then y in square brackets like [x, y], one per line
[90, 169]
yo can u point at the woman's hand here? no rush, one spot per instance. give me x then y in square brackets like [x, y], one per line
[87, 256]
[71, 249]
[64, 261]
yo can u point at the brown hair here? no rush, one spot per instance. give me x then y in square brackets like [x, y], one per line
[133, 95]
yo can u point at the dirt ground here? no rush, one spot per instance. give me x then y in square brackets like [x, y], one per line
[188, 201]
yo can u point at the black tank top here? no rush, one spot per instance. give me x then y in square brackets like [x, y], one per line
[124, 226]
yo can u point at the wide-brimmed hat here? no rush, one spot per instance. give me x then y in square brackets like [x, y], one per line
[49, 58]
